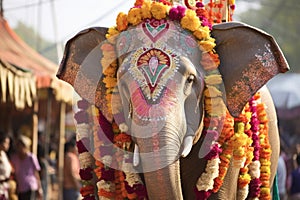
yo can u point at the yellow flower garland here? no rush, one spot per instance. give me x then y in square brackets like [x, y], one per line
[265, 153]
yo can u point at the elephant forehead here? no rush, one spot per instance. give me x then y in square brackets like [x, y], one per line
[152, 33]
[151, 69]
[151, 53]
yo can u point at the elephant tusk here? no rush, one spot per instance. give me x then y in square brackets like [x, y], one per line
[123, 127]
[187, 145]
[136, 156]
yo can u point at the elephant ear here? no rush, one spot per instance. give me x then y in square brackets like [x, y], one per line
[81, 66]
[249, 58]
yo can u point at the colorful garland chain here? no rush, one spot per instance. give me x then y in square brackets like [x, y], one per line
[241, 140]
[265, 153]
[86, 159]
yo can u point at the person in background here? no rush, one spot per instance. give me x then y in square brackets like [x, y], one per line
[71, 183]
[5, 166]
[26, 171]
[282, 176]
[294, 181]
[44, 172]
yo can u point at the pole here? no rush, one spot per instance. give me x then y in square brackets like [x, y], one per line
[39, 22]
[59, 48]
[61, 148]
[35, 126]
[225, 11]
[48, 120]
[1, 8]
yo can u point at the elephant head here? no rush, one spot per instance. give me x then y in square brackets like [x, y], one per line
[160, 84]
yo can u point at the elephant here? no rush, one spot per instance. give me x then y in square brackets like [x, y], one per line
[174, 88]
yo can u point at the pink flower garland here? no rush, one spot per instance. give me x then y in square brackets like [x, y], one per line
[86, 172]
[176, 13]
[203, 15]
[103, 139]
[111, 182]
[254, 187]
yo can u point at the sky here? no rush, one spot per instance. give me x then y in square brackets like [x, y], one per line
[59, 20]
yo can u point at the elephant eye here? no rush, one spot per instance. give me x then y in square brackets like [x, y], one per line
[190, 78]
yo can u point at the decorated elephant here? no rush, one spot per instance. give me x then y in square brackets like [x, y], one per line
[174, 108]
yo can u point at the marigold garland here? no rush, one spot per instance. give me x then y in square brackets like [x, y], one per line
[265, 153]
[216, 10]
[244, 177]
[247, 138]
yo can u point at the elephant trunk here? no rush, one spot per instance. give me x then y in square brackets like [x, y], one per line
[160, 162]
[164, 183]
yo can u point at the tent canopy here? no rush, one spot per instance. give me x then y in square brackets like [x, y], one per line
[17, 85]
[15, 53]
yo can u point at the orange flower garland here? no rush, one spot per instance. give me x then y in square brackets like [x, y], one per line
[244, 177]
[228, 139]
[265, 153]
[215, 11]
[216, 8]
[226, 154]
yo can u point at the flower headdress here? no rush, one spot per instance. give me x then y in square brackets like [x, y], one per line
[226, 141]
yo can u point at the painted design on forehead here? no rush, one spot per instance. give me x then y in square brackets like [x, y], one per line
[152, 69]
[155, 29]
[168, 32]
[153, 63]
